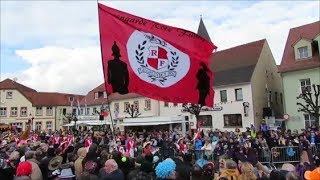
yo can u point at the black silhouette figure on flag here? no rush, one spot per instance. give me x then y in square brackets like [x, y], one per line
[203, 85]
[118, 75]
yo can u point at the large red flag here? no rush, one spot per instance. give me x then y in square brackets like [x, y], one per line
[154, 60]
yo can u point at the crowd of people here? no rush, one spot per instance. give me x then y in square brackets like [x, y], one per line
[206, 154]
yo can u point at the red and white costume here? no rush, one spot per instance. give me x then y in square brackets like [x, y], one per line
[56, 140]
[88, 142]
[70, 140]
[131, 145]
[121, 149]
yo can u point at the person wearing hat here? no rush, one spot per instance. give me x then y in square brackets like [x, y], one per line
[166, 169]
[118, 75]
[312, 175]
[82, 152]
[44, 163]
[36, 172]
[147, 148]
[24, 171]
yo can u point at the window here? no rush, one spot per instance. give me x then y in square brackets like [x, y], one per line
[64, 111]
[238, 93]
[105, 94]
[305, 85]
[94, 110]
[49, 125]
[116, 107]
[18, 125]
[3, 111]
[9, 95]
[276, 97]
[14, 111]
[136, 104]
[23, 111]
[81, 111]
[38, 111]
[96, 95]
[175, 104]
[232, 120]
[38, 126]
[281, 100]
[309, 120]
[166, 104]
[71, 98]
[49, 111]
[223, 96]
[87, 111]
[126, 106]
[147, 104]
[74, 111]
[303, 52]
[206, 120]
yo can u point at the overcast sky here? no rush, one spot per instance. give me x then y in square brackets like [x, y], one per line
[54, 45]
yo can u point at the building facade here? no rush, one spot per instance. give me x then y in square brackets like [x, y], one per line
[20, 104]
[300, 68]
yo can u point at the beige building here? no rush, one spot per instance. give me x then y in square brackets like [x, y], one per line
[20, 103]
[130, 111]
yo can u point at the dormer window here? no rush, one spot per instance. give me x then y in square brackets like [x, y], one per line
[71, 98]
[105, 94]
[96, 95]
[303, 52]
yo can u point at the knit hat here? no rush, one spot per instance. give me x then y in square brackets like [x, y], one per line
[24, 169]
[165, 168]
[312, 175]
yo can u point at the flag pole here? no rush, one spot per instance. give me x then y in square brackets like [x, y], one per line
[104, 75]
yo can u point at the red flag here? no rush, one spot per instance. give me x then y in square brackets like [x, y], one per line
[154, 60]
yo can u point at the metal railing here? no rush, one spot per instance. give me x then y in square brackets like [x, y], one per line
[285, 154]
[265, 155]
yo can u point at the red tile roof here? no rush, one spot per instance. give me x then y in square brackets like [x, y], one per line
[289, 63]
[52, 99]
[90, 100]
[10, 84]
[236, 65]
[40, 98]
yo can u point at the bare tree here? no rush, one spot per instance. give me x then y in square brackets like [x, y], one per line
[194, 109]
[311, 104]
[133, 111]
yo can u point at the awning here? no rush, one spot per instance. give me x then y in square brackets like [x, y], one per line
[152, 121]
[86, 123]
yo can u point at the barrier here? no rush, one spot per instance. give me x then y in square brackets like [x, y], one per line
[275, 155]
[285, 154]
[264, 155]
[315, 149]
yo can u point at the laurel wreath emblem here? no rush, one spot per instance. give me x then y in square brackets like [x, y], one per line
[140, 59]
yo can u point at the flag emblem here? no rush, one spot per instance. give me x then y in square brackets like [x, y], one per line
[156, 61]
[158, 58]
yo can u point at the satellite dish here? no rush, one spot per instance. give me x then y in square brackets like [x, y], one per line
[3, 101]
[15, 79]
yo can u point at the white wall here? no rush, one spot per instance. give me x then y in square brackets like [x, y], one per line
[230, 107]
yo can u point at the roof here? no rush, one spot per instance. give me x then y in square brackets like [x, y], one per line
[90, 100]
[237, 64]
[40, 98]
[234, 76]
[288, 62]
[52, 99]
[202, 31]
[10, 84]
